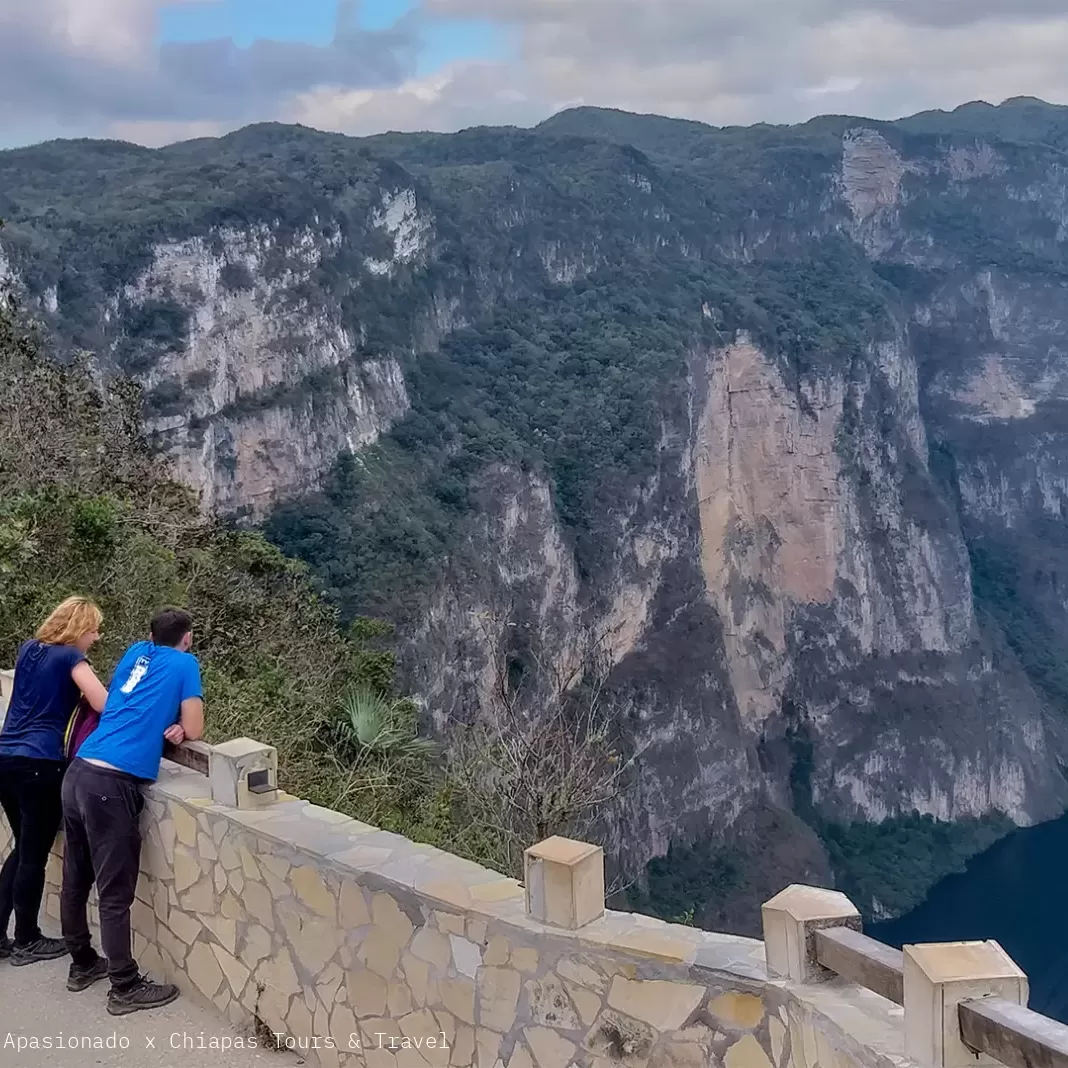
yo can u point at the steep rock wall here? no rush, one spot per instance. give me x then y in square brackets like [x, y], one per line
[251, 347]
[246, 434]
[815, 580]
[771, 534]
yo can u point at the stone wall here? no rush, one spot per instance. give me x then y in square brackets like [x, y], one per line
[359, 947]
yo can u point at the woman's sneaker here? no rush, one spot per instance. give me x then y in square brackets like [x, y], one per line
[142, 995]
[84, 977]
[42, 949]
[7, 947]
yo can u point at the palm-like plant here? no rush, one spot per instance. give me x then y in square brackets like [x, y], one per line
[379, 754]
[382, 727]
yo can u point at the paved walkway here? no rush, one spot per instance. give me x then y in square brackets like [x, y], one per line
[35, 1005]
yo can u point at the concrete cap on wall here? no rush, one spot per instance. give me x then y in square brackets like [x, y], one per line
[791, 917]
[938, 977]
[564, 882]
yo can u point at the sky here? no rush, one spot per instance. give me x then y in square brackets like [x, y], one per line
[158, 71]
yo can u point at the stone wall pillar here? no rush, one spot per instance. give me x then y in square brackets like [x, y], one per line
[243, 773]
[564, 882]
[791, 917]
[938, 978]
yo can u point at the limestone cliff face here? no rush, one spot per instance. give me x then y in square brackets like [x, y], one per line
[774, 579]
[772, 522]
[799, 569]
[840, 587]
[646, 627]
[1006, 401]
[256, 380]
[247, 434]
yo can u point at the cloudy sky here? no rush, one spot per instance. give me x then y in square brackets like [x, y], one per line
[157, 71]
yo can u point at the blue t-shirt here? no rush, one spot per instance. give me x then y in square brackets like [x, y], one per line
[42, 701]
[144, 699]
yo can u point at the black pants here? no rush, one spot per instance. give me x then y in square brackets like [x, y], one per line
[101, 824]
[30, 798]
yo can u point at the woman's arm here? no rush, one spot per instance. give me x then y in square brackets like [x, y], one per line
[92, 688]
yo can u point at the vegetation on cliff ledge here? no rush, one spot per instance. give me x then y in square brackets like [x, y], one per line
[887, 868]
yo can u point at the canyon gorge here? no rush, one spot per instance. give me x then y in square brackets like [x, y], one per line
[764, 429]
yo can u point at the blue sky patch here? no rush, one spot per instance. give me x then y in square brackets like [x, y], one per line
[446, 41]
[443, 41]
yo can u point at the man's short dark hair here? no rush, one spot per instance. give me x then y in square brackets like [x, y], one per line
[170, 626]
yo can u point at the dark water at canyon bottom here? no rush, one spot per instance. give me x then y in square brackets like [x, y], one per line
[1014, 893]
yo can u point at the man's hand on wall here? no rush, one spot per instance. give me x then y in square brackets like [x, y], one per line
[175, 735]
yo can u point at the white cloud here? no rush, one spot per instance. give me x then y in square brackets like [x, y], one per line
[729, 61]
[832, 87]
[461, 95]
[119, 31]
[157, 132]
[94, 63]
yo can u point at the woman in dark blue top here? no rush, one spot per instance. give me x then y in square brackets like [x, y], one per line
[51, 674]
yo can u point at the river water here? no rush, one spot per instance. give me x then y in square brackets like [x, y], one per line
[1016, 893]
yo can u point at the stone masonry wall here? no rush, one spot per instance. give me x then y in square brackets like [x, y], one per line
[364, 949]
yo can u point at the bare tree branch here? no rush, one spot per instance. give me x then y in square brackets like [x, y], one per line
[544, 758]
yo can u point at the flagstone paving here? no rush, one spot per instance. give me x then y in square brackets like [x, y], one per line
[35, 1005]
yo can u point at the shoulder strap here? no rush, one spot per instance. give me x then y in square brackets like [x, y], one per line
[71, 724]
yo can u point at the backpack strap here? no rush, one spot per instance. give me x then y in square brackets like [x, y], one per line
[69, 734]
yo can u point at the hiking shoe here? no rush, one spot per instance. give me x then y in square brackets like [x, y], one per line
[42, 949]
[7, 947]
[83, 978]
[142, 995]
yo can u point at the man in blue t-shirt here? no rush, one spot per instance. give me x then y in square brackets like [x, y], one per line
[154, 695]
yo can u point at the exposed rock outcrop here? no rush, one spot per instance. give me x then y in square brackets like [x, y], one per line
[265, 387]
[872, 173]
[772, 527]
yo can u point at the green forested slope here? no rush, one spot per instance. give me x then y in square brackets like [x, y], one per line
[85, 508]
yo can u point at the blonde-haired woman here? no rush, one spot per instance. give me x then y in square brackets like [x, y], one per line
[51, 674]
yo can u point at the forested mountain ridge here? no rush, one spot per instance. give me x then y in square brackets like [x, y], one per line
[763, 428]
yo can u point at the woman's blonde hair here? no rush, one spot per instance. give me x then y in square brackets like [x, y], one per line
[73, 619]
